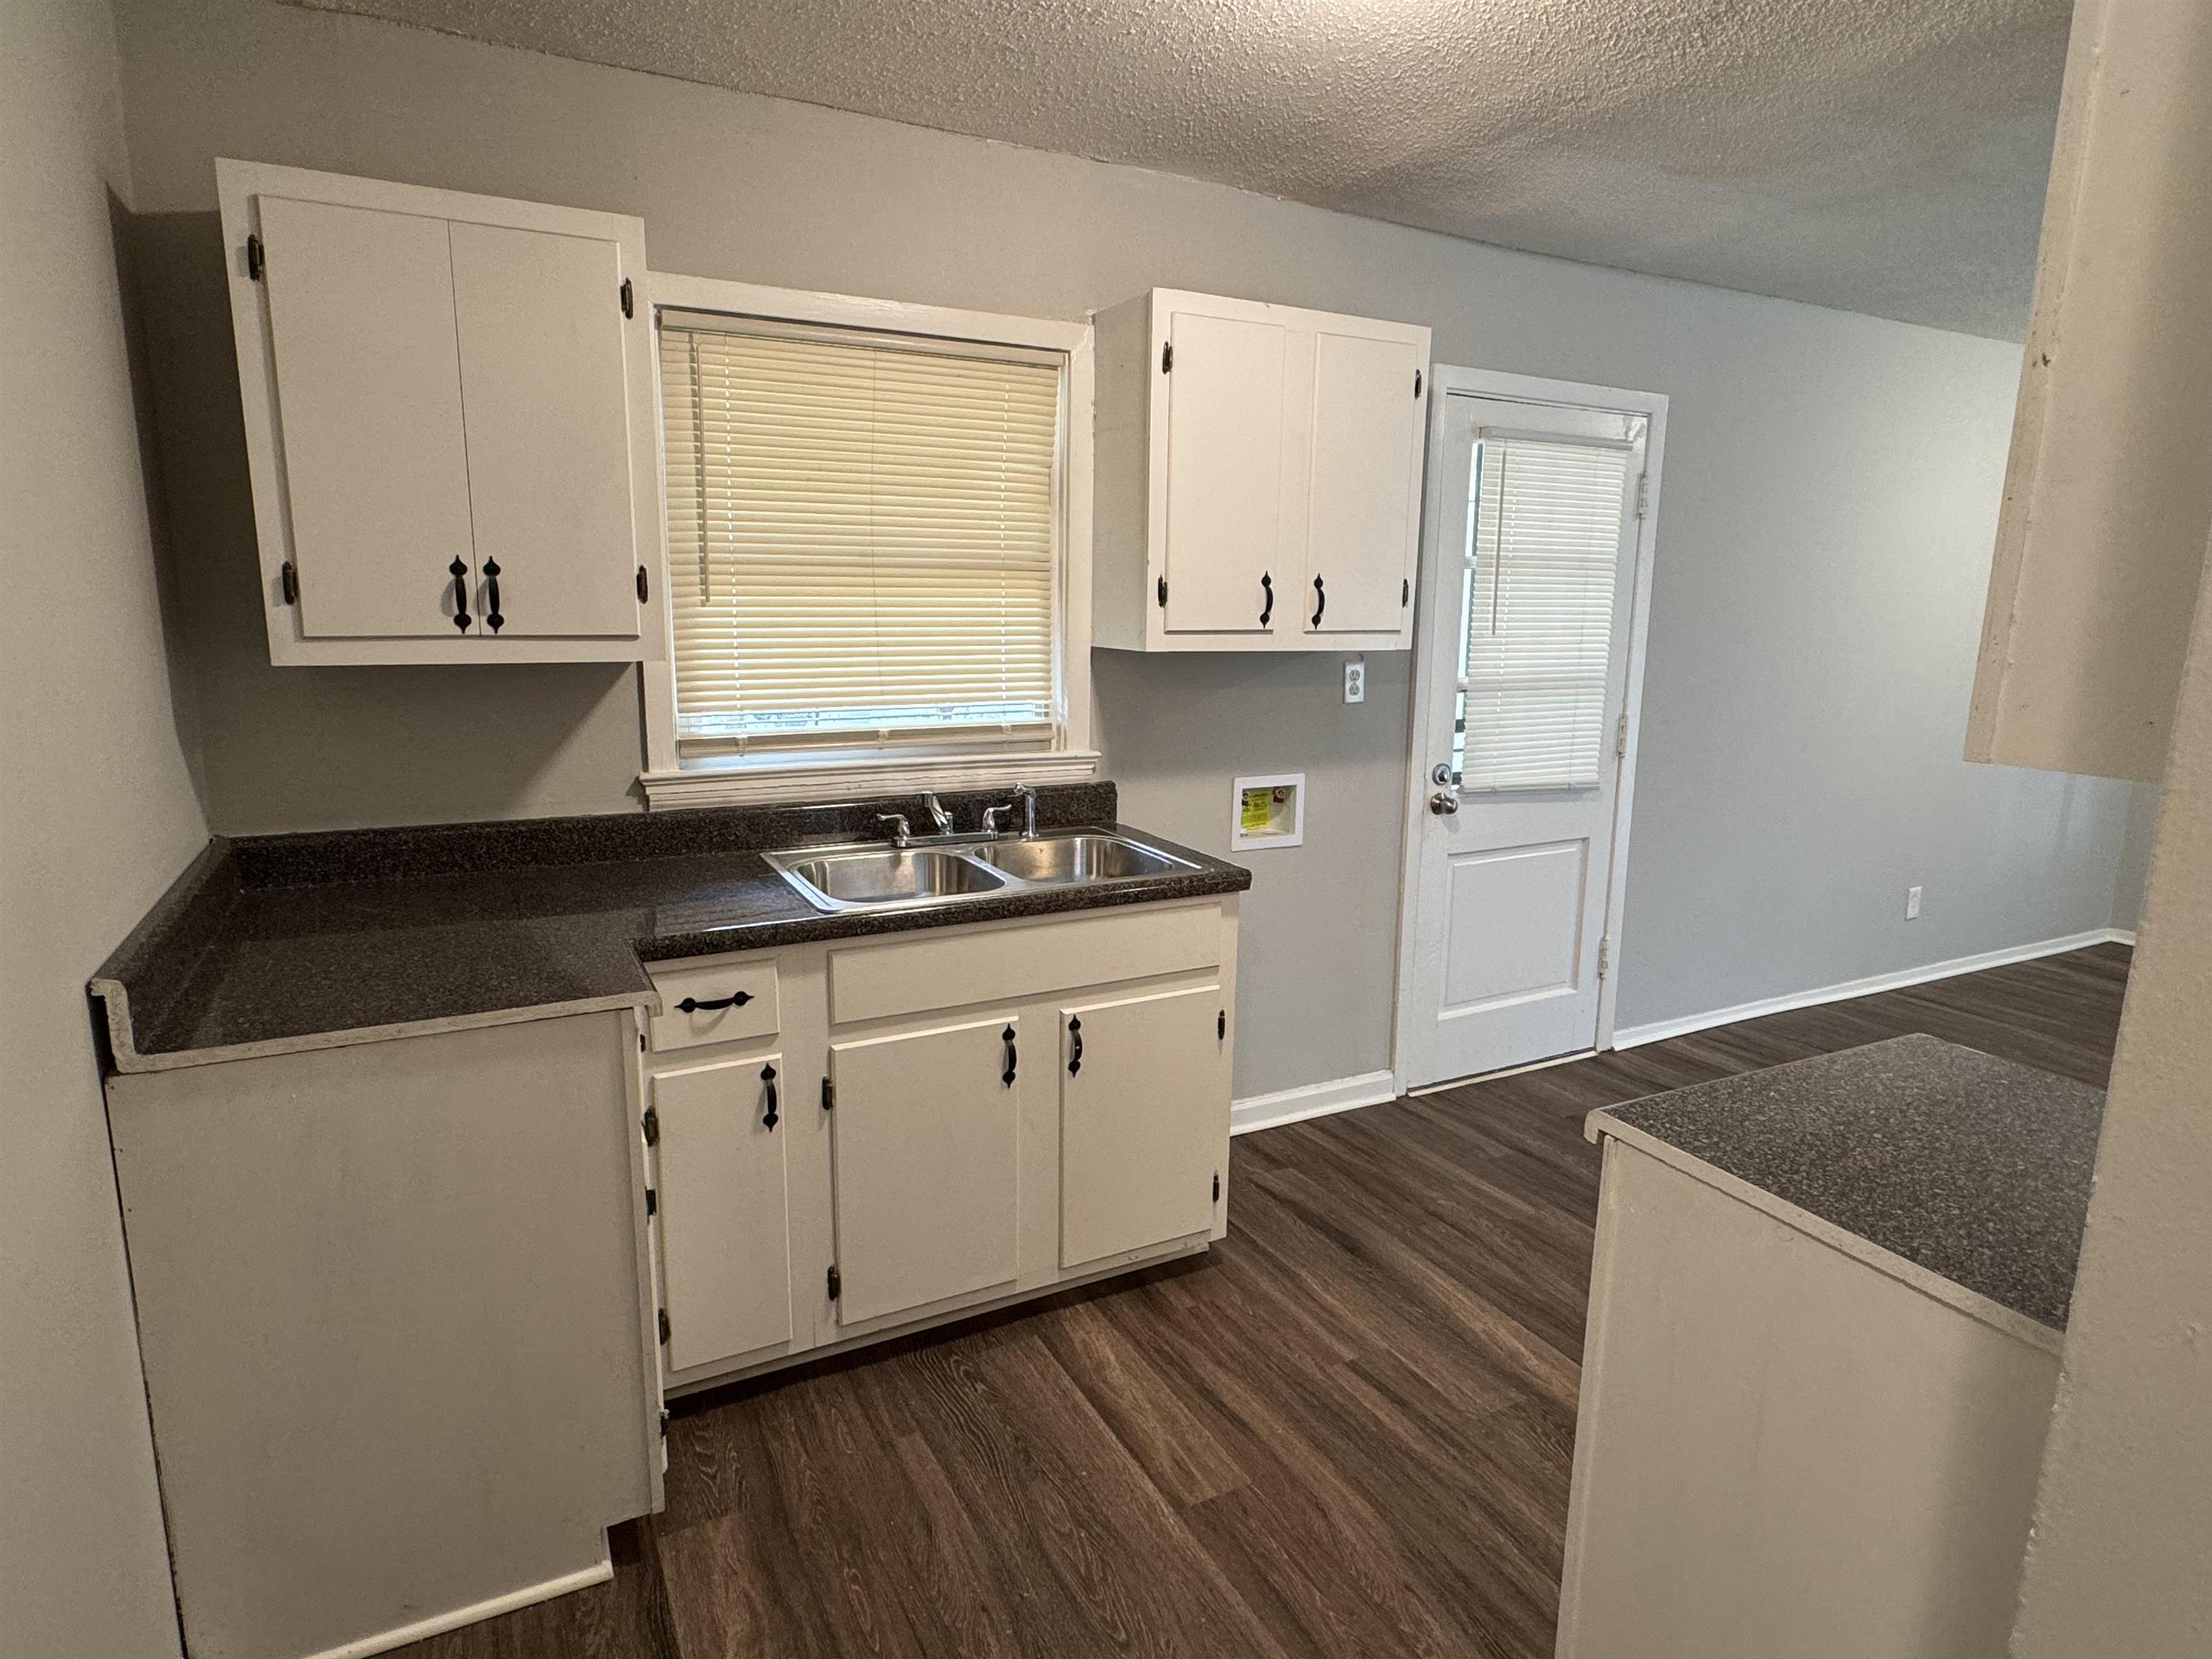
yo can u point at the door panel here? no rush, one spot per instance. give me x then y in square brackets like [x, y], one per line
[369, 390]
[1143, 1094]
[1365, 429]
[1226, 416]
[540, 325]
[1509, 922]
[1515, 930]
[724, 1211]
[925, 1137]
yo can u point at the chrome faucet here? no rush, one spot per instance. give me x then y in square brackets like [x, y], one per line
[1025, 797]
[902, 831]
[938, 815]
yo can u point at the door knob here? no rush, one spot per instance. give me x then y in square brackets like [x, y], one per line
[1443, 802]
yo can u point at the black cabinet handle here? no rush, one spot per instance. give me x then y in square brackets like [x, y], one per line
[1267, 589]
[1321, 601]
[1007, 1076]
[767, 1077]
[735, 999]
[492, 618]
[1075, 1044]
[459, 573]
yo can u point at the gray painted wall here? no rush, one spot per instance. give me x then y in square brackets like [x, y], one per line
[97, 817]
[1830, 492]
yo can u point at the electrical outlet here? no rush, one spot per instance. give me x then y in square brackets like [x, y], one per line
[1912, 904]
[1355, 681]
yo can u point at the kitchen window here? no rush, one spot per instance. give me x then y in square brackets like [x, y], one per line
[876, 565]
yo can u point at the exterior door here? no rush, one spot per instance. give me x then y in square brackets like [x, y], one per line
[1529, 600]
[1144, 1095]
[368, 394]
[1226, 409]
[1360, 515]
[724, 1211]
[925, 1142]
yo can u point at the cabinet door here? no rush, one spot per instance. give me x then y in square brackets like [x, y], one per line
[1359, 537]
[925, 1134]
[1144, 1097]
[540, 325]
[723, 1212]
[368, 393]
[1225, 483]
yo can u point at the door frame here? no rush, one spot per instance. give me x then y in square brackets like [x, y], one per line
[1447, 382]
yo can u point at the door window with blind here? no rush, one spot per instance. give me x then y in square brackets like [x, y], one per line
[1536, 604]
[864, 537]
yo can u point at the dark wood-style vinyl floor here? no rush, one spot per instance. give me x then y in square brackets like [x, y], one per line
[1344, 1432]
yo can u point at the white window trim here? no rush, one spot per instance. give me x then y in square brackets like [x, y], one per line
[788, 775]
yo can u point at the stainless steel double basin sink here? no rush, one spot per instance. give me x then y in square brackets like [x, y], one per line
[878, 876]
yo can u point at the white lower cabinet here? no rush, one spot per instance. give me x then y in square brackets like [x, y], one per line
[1142, 1079]
[939, 1144]
[723, 1210]
[926, 1135]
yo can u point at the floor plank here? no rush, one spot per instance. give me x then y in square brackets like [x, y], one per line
[1346, 1431]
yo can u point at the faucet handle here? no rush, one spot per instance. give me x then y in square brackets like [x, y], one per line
[993, 818]
[902, 831]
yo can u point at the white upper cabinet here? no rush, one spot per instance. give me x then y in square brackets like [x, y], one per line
[449, 421]
[1258, 477]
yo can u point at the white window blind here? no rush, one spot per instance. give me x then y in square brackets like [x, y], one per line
[862, 536]
[1542, 555]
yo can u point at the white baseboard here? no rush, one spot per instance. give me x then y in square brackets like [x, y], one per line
[439, 1624]
[1635, 1036]
[1313, 1100]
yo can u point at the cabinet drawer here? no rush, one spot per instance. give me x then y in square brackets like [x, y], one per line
[733, 998]
[1007, 964]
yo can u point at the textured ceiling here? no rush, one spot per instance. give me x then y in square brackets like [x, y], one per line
[1879, 155]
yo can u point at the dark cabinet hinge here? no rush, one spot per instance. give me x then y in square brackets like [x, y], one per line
[288, 580]
[1217, 1186]
[256, 260]
[1417, 383]
[1167, 357]
[664, 1327]
[1220, 1024]
[640, 585]
[651, 1124]
[626, 310]
[836, 1283]
[1163, 591]
[828, 1095]
[652, 1201]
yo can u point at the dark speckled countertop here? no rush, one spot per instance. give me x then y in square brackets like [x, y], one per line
[281, 942]
[1974, 1168]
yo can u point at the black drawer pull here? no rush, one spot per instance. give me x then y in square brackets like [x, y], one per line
[1321, 601]
[493, 620]
[1267, 589]
[1008, 1038]
[459, 573]
[735, 999]
[1075, 1044]
[768, 1117]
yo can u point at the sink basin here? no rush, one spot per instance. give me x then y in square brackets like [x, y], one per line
[1057, 859]
[887, 875]
[874, 876]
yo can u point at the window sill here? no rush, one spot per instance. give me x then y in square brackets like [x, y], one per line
[755, 781]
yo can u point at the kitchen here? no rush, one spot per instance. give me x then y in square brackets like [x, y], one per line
[1769, 826]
